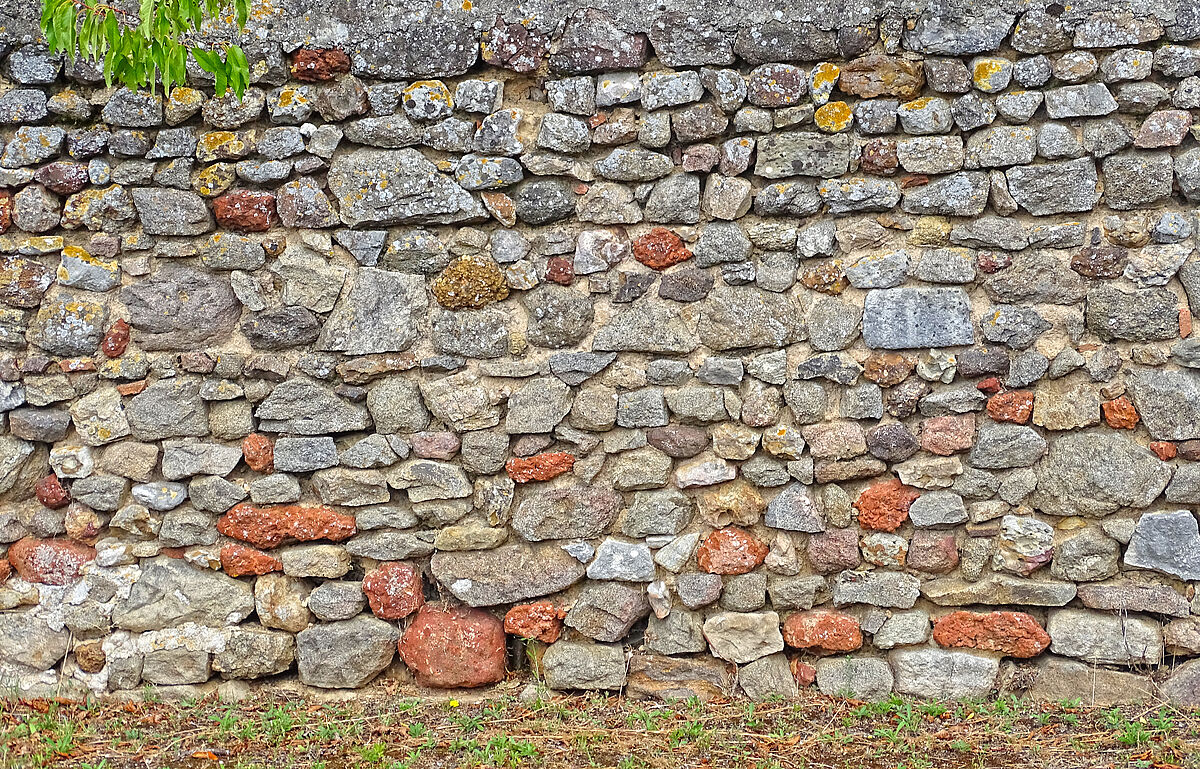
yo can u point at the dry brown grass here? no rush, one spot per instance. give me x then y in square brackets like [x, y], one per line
[392, 727]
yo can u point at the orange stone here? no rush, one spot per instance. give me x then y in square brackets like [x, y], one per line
[822, 632]
[317, 64]
[660, 248]
[50, 492]
[1120, 414]
[1012, 633]
[560, 271]
[1013, 406]
[804, 673]
[449, 647]
[1164, 449]
[990, 386]
[1185, 323]
[540, 621]
[133, 388]
[540, 467]
[949, 434]
[827, 278]
[731, 551]
[884, 506]
[888, 369]
[269, 526]
[394, 590]
[49, 561]
[245, 210]
[259, 451]
[241, 561]
[5, 569]
[116, 340]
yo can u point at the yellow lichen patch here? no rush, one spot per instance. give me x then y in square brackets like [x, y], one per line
[834, 117]
[916, 104]
[217, 145]
[930, 231]
[472, 281]
[825, 74]
[984, 74]
[213, 180]
[434, 90]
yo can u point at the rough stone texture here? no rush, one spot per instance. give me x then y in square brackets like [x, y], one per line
[850, 312]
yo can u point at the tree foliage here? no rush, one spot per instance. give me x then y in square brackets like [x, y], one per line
[152, 47]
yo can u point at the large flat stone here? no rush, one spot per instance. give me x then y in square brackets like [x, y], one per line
[909, 318]
[382, 187]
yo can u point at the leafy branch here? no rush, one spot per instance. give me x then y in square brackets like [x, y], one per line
[150, 48]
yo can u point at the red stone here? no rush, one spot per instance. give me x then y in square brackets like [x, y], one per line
[62, 177]
[991, 262]
[1185, 322]
[1120, 414]
[1012, 633]
[75, 365]
[50, 492]
[933, 552]
[540, 621]
[660, 248]
[316, 64]
[990, 386]
[822, 632]
[259, 452]
[560, 271]
[132, 388]
[245, 211]
[731, 551]
[804, 673]
[49, 561]
[394, 590]
[949, 434]
[435, 445]
[1164, 449]
[6, 207]
[270, 526]
[884, 506]
[450, 647]
[539, 467]
[879, 157]
[1013, 406]
[116, 340]
[240, 561]
[834, 550]
[5, 569]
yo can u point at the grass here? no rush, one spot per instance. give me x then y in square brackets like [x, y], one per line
[385, 730]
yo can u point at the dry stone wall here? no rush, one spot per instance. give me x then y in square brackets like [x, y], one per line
[694, 353]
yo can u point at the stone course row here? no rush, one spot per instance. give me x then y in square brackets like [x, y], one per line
[857, 359]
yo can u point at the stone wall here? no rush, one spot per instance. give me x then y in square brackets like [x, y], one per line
[736, 352]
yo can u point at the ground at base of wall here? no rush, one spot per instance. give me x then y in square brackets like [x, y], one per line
[515, 725]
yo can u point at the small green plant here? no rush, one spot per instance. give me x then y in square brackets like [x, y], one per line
[373, 753]
[149, 48]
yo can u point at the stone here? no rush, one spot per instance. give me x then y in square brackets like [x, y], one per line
[730, 551]
[253, 652]
[49, 561]
[822, 632]
[944, 675]
[454, 647]
[885, 506]
[345, 654]
[865, 678]
[1011, 633]
[743, 637]
[267, 527]
[180, 308]
[586, 666]
[876, 588]
[903, 318]
[1069, 484]
[1103, 638]
[1165, 542]
[1059, 679]
[170, 592]
[605, 611]
[508, 574]
[405, 188]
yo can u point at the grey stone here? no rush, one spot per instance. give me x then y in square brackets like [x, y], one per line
[407, 188]
[507, 574]
[1140, 315]
[1166, 542]
[170, 592]
[605, 611]
[346, 654]
[585, 666]
[961, 194]
[1054, 188]
[743, 637]
[802, 153]
[876, 588]
[1167, 402]
[943, 674]
[180, 308]
[1093, 474]
[1105, 639]
[902, 318]
[864, 678]
[306, 407]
